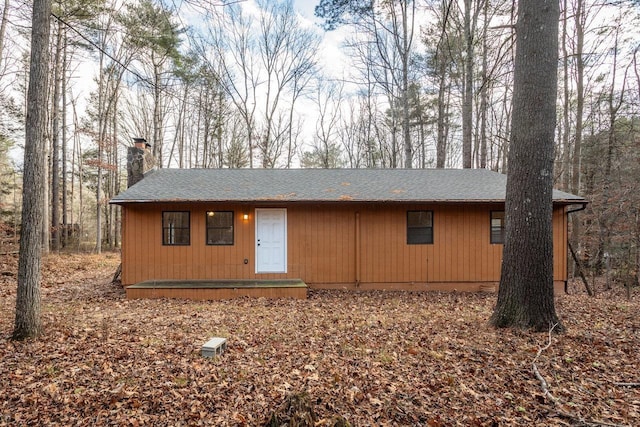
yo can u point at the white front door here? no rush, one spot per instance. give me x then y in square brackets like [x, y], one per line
[271, 240]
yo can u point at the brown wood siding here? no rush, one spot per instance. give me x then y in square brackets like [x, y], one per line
[560, 238]
[461, 251]
[321, 240]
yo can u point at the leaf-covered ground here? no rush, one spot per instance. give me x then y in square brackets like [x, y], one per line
[375, 358]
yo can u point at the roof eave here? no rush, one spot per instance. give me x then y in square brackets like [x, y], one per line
[277, 200]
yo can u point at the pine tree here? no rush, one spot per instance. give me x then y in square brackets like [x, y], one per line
[525, 296]
[27, 321]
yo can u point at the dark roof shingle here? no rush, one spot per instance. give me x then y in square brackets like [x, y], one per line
[322, 185]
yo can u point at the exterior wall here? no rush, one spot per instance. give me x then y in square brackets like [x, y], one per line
[333, 246]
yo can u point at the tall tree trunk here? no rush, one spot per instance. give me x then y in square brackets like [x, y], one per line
[614, 105]
[291, 143]
[181, 145]
[637, 238]
[577, 143]
[73, 161]
[484, 90]
[566, 149]
[441, 143]
[157, 119]
[115, 187]
[65, 207]
[27, 320]
[467, 100]
[99, 200]
[3, 28]
[46, 208]
[372, 155]
[406, 47]
[100, 135]
[579, 54]
[394, 139]
[206, 150]
[503, 147]
[637, 213]
[423, 144]
[219, 129]
[55, 142]
[78, 148]
[443, 88]
[525, 296]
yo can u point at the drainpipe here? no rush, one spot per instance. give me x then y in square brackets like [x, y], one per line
[582, 207]
[357, 249]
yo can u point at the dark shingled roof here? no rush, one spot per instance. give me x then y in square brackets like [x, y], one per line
[322, 185]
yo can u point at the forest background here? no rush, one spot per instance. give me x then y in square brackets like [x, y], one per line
[402, 84]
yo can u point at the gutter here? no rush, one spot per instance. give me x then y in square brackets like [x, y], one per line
[583, 206]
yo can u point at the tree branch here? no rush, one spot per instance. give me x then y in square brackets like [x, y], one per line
[560, 409]
[632, 385]
[543, 383]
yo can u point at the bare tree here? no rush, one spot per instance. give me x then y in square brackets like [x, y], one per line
[614, 100]
[326, 150]
[287, 55]
[68, 14]
[55, 137]
[102, 112]
[266, 62]
[233, 54]
[402, 24]
[154, 35]
[440, 69]
[356, 132]
[471, 13]
[383, 46]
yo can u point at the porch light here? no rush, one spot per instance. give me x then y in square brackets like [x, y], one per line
[245, 216]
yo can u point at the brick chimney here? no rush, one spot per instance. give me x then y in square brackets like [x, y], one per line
[139, 160]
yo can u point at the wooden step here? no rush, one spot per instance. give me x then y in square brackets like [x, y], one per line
[217, 289]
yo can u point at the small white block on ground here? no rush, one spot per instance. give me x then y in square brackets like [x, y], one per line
[214, 347]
